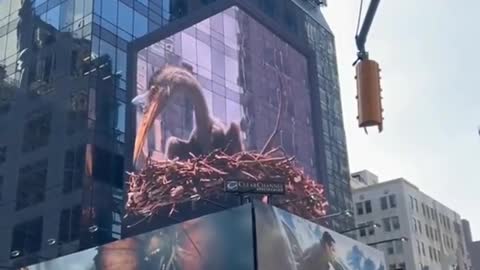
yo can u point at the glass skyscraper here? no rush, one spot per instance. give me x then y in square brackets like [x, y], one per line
[64, 99]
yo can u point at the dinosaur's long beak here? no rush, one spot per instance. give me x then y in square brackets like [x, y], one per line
[158, 102]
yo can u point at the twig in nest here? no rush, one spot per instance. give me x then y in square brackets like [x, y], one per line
[166, 184]
[277, 123]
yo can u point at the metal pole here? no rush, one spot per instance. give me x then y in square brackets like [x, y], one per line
[360, 227]
[388, 241]
[361, 38]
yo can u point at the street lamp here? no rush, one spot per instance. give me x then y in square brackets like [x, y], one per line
[347, 213]
[403, 239]
[52, 242]
[374, 225]
[16, 253]
[93, 228]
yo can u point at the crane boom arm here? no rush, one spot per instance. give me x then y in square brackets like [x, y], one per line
[361, 38]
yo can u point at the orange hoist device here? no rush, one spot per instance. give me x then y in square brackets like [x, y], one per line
[369, 99]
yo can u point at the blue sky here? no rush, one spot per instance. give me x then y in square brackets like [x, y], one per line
[429, 53]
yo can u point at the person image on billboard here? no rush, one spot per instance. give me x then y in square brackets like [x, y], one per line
[321, 256]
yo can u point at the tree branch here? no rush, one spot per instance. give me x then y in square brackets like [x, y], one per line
[268, 145]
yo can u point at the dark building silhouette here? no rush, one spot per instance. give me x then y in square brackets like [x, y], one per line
[52, 115]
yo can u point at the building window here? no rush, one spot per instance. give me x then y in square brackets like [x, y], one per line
[368, 206]
[456, 227]
[70, 224]
[427, 232]
[42, 73]
[1, 187]
[290, 21]
[116, 225]
[73, 169]
[416, 205]
[430, 253]
[32, 180]
[395, 223]
[268, 7]
[3, 154]
[401, 266]
[415, 225]
[423, 250]
[423, 210]
[418, 247]
[420, 227]
[390, 249]
[359, 207]
[399, 247]
[363, 232]
[77, 113]
[117, 196]
[393, 200]
[27, 236]
[37, 131]
[178, 8]
[386, 225]
[383, 203]
[412, 204]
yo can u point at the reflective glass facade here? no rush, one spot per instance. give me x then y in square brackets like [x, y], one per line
[63, 102]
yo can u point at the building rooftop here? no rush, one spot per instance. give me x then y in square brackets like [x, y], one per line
[393, 182]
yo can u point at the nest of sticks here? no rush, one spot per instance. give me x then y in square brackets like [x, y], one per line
[170, 182]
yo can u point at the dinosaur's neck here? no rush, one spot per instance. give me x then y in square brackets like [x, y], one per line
[175, 81]
[203, 121]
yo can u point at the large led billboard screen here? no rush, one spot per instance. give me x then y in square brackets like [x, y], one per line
[197, 244]
[303, 245]
[219, 84]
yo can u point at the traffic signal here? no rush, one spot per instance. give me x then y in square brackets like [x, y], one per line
[369, 100]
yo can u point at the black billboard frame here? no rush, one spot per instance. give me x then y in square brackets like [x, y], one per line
[200, 14]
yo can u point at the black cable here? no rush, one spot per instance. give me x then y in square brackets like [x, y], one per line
[359, 17]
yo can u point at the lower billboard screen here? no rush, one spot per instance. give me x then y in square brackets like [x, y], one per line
[213, 242]
[218, 84]
[288, 242]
